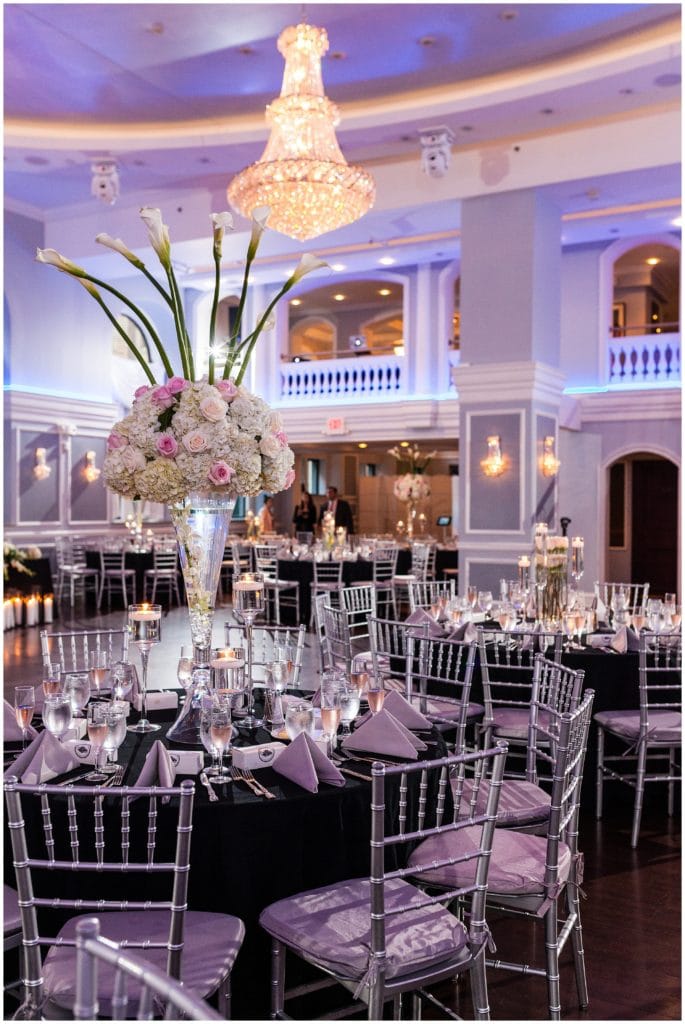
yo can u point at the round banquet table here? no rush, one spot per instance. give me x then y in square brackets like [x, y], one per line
[246, 852]
[357, 571]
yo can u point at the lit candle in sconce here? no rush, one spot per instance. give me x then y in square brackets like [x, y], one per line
[48, 608]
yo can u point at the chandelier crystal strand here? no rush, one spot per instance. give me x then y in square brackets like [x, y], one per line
[302, 174]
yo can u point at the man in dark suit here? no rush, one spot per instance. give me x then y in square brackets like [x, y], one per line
[340, 509]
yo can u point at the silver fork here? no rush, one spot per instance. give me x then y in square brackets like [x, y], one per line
[243, 775]
[115, 779]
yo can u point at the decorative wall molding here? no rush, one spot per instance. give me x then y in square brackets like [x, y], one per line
[648, 404]
[418, 419]
[50, 412]
[488, 382]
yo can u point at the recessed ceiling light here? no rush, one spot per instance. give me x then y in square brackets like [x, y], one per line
[246, 50]
[547, 110]
[339, 297]
[427, 41]
[404, 444]
[508, 15]
[386, 261]
[668, 79]
[384, 291]
[156, 28]
[36, 161]
[466, 128]
[362, 444]
[626, 92]
[338, 266]
[677, 222]
[338, 55]
[653, 261]
[296, 302]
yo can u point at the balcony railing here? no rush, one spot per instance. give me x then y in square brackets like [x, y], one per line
[649, 359]
[375, 376]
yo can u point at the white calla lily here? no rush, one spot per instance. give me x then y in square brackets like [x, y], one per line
[158, 232]
[260, 216]
[55, 259]
[119, 246]
[308, 262]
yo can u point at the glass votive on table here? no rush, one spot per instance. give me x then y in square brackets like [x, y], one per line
[227, 673]
[299, 717]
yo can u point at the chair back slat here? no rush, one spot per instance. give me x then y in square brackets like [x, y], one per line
[71, 649]
[267, 642]
[507, 662]
[427, 593]
[637, 594]
[48, 833]
[442, 668]
[73, 828]
[660, 676]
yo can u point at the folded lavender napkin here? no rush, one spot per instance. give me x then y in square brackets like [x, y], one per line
[404, 712]
[157, 770]
[44, 759]
[383, 734]
[420, 617]
[466, 633]
[10, 730]
[303, 763]
[624, 640]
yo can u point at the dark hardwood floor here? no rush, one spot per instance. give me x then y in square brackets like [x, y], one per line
[631, 913]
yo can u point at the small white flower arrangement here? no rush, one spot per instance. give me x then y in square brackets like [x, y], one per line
[411, 487]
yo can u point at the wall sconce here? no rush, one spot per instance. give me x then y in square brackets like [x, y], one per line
[549, 462]
[494, 463]
[41, 470]
[90, 470]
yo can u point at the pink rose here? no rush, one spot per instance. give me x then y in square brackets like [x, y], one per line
[167, 445]
[220, 473]
[282, 437]
[142, 390]
[213, 409]
[194, 441]
[289, 478]
[226, 389]
[162, 396]
[176, 384]
[115, 441]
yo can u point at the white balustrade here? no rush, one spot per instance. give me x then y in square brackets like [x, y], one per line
[644, 359]
[376, 376]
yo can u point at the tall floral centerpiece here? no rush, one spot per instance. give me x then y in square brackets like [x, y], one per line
[411, 487]
[551, 573]
[194, 443]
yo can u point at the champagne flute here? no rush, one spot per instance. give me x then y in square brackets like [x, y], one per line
[184, 670]
[124, 676]
[115, 717]
[330, 709]
[248, 600]
[220, 732]
[76, 687]
[24, 706]
[98, 669]
[57, 715]
[472, 594]
[52, 678]
[145, 626]
[97, 734]
[581, 621]
[639, 620]
[375, 694]
[206, 704]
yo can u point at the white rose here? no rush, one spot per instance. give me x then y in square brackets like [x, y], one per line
[270, 446]
[132, 458]
[213, 409]
[194, 441]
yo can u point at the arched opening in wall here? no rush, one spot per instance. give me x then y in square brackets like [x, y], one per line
[643, 522]
[646, 298]
[346, 320]
[455, 339]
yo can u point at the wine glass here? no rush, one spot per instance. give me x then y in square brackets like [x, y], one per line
[98, 669]
[375, 694]
[97, 734]
[145, 626]
[124, 676]
[52, 678]
[24, 706]
[184, 670]
[350, 699]
[57, 715]
[472, 594]
[248, 602]
[359, 678]
[220, 733]
[484, 601]
[76, 686]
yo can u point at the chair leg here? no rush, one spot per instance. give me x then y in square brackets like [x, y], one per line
[671, 784]
[552, 963]
[479, 988]
[599, 786]
[277, 979]
[639, 793]
[224, 1001]
[573, 904]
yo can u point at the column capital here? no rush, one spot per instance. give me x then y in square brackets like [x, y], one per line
[504, 382]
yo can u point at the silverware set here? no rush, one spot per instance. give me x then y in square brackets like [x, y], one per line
[246, 776]
[211, 792]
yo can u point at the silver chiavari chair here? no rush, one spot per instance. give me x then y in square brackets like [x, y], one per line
[384, 936]
[71, 649]
[390, 649]
[649, 737]
[95, 952]
[532, 876]
[439, 674]
[71, 842]
[319, 604]
[328, 579]
[636, 594]
[507, 664]
[428, 593]
[281, 594]
[271, 643]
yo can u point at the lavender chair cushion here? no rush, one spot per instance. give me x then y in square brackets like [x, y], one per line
[448, 709]
[517, 865]
[664, 726]
[512, 723]
[212, 942]
[11, 918]
[331, 927]
[520, 803]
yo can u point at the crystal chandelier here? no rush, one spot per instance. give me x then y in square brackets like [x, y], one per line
[302, 175]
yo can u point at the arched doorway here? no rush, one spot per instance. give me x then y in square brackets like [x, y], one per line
[642, 531]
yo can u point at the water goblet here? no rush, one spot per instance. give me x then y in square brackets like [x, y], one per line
[123, 676]
[97, 734]
[249, 603]
[350, 699]
[654, 615]
[484, 602]
[299, 717]
[52, 678]
[24, 706]
[330, 711]
[98, 669]
[220, 733]
[145, 626]
[76, 686]
[57, 715]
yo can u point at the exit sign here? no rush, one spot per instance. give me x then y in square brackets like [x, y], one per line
[335, 425]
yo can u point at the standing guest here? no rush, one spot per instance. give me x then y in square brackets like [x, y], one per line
[266, 517]
[304, 516]
[340, 509]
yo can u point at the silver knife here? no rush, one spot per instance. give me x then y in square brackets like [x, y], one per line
[208, 786]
